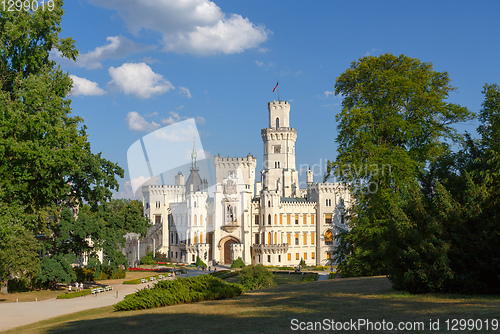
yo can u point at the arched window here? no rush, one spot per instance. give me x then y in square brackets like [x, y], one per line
[277, 122]
[201, 237]
[269, 203]
[275, 237]
[269, 238]
[195, 238]
[194, 221]
[195, 204]
[328, 237]
[269, 220]
[201, 222]
[176, 238]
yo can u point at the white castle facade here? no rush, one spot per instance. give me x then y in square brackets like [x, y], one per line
[271, 222]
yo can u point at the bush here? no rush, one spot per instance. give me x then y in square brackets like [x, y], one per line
[331, 276]
[309, 277]
[182, 290]
[148, 259]
[302, 262]
[286, 268]
[256, 277]
[322, 268]
[85, 274]
[238, 263]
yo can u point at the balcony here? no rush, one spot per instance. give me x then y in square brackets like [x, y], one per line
[270, 249]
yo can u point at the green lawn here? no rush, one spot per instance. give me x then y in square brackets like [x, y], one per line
[272, 310]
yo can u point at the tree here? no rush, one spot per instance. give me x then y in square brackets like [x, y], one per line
[46, 163]
[393, 121]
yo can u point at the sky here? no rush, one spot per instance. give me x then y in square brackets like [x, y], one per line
[210, 67]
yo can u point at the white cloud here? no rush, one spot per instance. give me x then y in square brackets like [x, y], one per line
[262, 64]
[82, 86]
[190, 26]
[138, 79]
[118, 47]
[184, 91]
[175, 118]
[137, 123]
[328, 94]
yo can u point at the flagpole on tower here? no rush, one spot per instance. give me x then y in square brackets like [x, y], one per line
[277, 86]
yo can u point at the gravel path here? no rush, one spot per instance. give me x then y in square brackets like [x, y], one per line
[13, 315]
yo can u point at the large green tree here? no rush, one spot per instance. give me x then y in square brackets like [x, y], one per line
[46, 164]
[394, 117]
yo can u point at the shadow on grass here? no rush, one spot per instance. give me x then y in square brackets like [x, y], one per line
[272, 310]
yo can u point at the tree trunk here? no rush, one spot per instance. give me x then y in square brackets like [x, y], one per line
[5, 285]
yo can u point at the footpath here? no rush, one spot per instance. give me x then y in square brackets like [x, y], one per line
[13, 315]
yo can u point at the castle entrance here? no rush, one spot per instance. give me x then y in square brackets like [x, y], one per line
[227, 251]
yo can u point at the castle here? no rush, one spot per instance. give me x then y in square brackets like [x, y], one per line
[270, 222]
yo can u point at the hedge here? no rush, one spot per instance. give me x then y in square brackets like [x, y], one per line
[182, 290]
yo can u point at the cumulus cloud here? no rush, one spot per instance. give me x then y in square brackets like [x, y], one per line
[190, 26]
[137, 123]
[82, 86]
[138, 79]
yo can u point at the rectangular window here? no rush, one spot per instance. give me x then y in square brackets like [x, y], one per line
[279, 258]
[305, 219]
[256, 218]
[288, 219]
[275, 219]
[328, 256]
[289, 257]
[288, 237]
[281, 219]
[305, 238]
[157, 219]
[312, 255]
[312, 219]
[296, 219]
[257, 238]
[296, 239]
[296, 256]
[305, 256]
[328, 219]
[269, 258]
[194, 258]
[312, 238]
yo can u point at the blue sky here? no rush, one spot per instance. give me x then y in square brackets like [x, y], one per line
[146, 64]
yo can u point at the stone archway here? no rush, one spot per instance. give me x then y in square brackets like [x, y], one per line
[225, 249]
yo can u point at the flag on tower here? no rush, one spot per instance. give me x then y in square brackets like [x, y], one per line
[276, 86]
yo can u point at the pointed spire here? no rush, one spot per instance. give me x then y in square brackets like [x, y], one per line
[194, 155]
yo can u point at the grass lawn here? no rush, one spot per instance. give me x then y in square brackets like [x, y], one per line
[271, 310]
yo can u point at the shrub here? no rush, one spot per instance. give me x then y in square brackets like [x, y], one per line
[200, 263]
[182, 290]
[309, 277]
[286, 268]
[322, 268]
[331, 276]
[256, 277]
[148, 259]
[302, 262]
[238, 263]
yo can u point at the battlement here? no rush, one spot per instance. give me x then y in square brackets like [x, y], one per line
[278, 104]
[248, 159]
[326, 187]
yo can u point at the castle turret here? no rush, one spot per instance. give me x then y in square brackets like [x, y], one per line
[279, 138]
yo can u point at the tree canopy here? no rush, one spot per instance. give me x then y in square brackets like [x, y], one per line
[414, 197]
[47, 168]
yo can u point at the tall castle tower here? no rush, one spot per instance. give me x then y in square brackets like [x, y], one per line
[279, 138]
